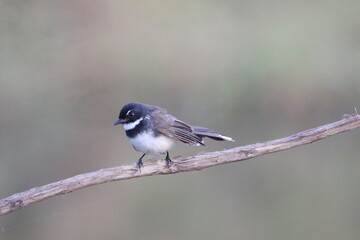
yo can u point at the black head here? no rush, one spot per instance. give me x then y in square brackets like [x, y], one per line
[131, 112]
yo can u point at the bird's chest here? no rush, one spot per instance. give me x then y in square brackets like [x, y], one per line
[146, 142]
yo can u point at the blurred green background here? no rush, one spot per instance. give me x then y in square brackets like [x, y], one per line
[253, 70]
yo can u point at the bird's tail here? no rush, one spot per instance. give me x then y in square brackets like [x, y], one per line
[205, 132]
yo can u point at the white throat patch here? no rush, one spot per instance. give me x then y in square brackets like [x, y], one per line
[132, 125]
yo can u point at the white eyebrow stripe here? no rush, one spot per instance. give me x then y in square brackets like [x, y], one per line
[128, 112]
[132, 125]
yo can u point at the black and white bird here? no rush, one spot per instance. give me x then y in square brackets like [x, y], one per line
[152, 131]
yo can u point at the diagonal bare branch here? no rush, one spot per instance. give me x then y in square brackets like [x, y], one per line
[157, 167]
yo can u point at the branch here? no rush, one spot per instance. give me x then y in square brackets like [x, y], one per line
[157, 167]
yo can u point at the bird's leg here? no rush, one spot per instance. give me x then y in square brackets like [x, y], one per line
[139, 163]
[167, 159]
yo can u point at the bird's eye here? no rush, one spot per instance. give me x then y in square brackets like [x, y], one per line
[130, 113]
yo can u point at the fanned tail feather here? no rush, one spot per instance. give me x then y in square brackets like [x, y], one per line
[205, 132]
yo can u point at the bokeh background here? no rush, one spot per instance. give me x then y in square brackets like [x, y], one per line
[252, 70]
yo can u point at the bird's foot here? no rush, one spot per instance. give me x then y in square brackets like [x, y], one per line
[167, 159]
[139, 163]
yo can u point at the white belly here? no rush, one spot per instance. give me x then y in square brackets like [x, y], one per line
[148, 144]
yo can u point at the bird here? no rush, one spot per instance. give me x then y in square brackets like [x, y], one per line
[153, 131]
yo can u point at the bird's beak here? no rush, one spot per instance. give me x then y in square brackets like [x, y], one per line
[120, 121]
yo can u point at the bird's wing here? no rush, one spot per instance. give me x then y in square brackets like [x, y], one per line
[169, 126]
[185, 133]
